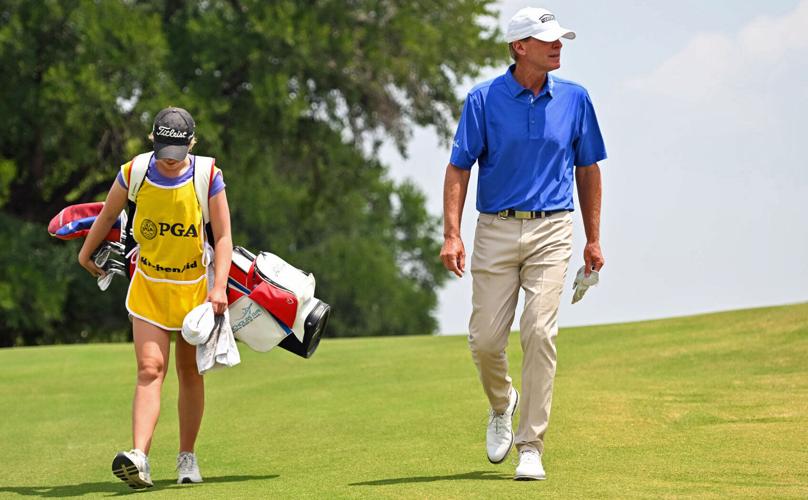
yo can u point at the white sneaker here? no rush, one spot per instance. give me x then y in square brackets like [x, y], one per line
[529, 467]
[187, 468]
[132, 467]
[499, 435]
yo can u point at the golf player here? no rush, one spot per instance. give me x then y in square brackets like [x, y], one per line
[169, 280]
[530, 134]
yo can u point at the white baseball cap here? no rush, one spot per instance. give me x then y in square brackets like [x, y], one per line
[538, 23]
[198, 324]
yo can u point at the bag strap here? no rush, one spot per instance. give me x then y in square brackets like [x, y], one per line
[204, 170]
[137, 173]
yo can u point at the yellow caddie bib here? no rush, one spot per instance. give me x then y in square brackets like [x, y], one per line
[170, 277]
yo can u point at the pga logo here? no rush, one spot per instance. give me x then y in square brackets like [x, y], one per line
[151, 230]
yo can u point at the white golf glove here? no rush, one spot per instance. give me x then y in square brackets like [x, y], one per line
[582, 283]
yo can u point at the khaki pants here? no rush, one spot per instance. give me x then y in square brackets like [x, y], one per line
[533, 254]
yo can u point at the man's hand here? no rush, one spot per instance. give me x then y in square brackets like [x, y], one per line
[453, 255]
[587, 179]
[593, 258]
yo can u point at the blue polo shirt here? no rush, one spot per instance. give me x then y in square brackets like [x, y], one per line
[526, 146]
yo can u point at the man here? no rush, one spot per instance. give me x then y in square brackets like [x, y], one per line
[530, 133]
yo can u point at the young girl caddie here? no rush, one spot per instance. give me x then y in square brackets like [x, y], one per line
[170, 278]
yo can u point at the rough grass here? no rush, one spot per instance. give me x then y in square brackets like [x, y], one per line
[712, 406]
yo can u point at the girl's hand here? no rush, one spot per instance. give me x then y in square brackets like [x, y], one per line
[218, 299]
[88, 264]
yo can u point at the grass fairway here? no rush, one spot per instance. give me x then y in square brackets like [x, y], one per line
[712, 406]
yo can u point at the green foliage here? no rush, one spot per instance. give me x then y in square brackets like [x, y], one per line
[33, 281]
[69, 68]
[45, 297]
[292, 98]
[8, 170]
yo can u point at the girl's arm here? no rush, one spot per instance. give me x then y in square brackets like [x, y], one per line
[114, 204]
[223, 248]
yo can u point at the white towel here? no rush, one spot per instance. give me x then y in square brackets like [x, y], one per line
[220, 348]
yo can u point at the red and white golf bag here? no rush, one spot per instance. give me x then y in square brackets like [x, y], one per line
[272, 303]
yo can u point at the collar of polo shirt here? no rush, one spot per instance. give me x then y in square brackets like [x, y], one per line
[516, 88]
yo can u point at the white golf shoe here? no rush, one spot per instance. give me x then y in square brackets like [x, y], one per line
[132, 467]
[499, 434]
[529, 467]
[187, 468]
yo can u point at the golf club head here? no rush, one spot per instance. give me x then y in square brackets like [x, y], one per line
[101, 255]
[116, 247]
[112, 268]
[104, 281]
[116, 267]
[105, 250]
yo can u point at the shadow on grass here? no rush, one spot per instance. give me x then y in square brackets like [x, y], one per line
[115, 488]
[476, 475]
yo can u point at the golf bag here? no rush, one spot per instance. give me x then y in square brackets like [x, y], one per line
[271, 303]
[265, 285]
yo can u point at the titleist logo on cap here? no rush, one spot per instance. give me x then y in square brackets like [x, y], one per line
[164, 131]
[547, 18]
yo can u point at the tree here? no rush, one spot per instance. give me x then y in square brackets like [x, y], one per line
[77, 78]
[72, 74]
[294, 100]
